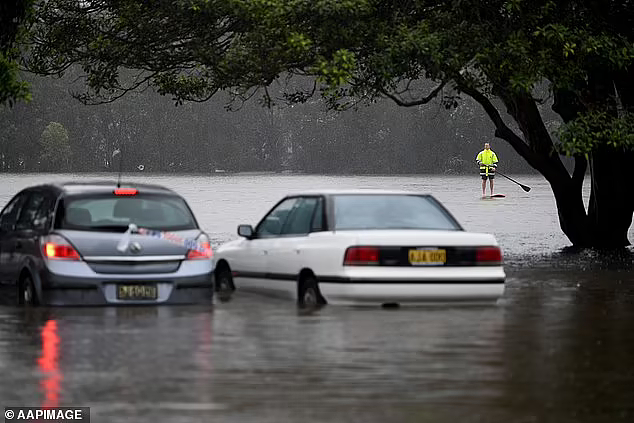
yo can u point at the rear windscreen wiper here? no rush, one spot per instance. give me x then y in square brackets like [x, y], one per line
[115, 228]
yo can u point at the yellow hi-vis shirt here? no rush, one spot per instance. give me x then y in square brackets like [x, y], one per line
[486, 158]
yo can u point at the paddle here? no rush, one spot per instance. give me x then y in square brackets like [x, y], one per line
[524, 187]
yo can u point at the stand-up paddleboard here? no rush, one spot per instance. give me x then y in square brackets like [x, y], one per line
[486, 197]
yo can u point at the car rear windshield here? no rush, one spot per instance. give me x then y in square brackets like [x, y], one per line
[99, 212]
[371, 211]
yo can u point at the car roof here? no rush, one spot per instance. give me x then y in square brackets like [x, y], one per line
[356, 191]
[98, 187]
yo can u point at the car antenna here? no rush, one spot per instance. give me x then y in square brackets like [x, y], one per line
[114, 153]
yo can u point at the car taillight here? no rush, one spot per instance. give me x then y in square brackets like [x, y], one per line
[126, 191]
[203, 252]
[55, 247]
[361, 256]
[488, 255]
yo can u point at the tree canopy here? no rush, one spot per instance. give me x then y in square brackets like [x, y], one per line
[515, 54]
[55, 147]
[13, 15]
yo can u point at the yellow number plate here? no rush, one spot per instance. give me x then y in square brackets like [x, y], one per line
[137, 292]
[422, 257]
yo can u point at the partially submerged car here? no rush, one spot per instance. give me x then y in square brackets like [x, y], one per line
[361, 246]
[97, 243]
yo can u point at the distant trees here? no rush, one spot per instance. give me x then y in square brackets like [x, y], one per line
[382, 138]
[18, 143]
[55, 152]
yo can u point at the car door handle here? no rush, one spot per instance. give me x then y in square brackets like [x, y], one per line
[265, 252]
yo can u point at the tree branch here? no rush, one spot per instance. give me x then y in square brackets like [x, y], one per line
[578, 174]
[398, 100]
[205, 98]
[97, 99]
[501, 129]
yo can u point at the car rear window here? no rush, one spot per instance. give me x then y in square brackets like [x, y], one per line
[365, 211]
[114, 213]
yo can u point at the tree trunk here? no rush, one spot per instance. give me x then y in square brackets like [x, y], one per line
[567, 189]
[611, 201]
[611, 204]
[570, 208]
[572, 216]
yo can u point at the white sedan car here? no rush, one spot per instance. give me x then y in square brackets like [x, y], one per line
[361, 246]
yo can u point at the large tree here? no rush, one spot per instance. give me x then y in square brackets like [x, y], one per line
[509, 54]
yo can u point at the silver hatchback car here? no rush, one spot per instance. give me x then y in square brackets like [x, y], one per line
[96, 243]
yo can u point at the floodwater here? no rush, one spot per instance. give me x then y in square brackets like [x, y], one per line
[559, 347]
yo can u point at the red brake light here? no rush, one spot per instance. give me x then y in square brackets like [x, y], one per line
[361, 256]
[126, 191]
[57, 251]
[489, 255]
[196, 254]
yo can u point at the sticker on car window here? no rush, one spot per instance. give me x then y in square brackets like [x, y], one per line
[190, 244]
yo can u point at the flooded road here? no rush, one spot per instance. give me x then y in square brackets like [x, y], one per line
[559, 347]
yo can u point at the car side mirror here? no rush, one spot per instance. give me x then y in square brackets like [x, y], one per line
[245, 231]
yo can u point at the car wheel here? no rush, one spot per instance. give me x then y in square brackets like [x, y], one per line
[224, 285]
[308, 292]
[28, 295]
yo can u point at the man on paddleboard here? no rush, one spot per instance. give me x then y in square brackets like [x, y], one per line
[488, 161]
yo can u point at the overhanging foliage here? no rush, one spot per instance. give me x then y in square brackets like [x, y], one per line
[496, 52]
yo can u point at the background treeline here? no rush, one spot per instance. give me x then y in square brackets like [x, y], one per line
[56, 133]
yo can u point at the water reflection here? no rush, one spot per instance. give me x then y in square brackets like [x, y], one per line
[569, 343]
[559, 349]
[202, 355]
[48, 364]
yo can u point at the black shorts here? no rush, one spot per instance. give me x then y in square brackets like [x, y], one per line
[490, 174]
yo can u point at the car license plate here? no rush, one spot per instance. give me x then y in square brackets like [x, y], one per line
[423, 257]
[137, 292]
